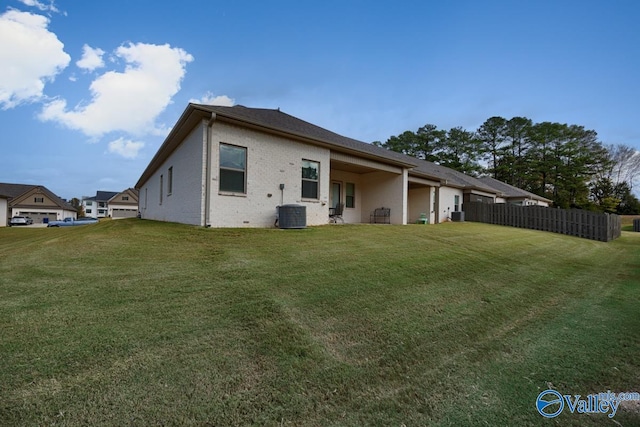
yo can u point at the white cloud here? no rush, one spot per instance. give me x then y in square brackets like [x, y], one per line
[91, 58]
[40, 5]
[128, 101]
[210, 99]
[23, 76]
[126, 148]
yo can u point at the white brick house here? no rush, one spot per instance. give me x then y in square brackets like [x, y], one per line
[232, 166]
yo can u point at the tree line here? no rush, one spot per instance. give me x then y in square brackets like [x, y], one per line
[565, 163]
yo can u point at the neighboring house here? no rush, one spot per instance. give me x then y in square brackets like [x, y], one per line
[514, 195]
[35, 201]
[124, 204]
[450, 191]
[98, 205]
[89, 206]
[112, 204]
[231, 167]
[4, 210]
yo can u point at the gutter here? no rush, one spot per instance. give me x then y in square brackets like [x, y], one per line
[207, 172]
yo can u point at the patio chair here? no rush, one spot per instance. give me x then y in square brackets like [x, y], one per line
[423, 219]
[335, 214]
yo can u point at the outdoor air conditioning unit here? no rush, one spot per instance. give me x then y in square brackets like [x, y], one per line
[457, 216]
[292, 216]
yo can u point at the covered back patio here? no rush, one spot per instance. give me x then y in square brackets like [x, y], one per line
[423, 199]
[364, 185]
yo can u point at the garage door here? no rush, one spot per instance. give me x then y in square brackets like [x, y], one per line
[38, 217]
[124, 213]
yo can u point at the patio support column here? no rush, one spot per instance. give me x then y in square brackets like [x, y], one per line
[405, 195]
[437, 204]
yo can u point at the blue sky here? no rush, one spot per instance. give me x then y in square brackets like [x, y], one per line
[89, 90]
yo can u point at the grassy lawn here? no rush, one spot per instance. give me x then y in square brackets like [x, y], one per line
[136, 322]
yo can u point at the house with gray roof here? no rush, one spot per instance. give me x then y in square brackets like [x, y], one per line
[112, 204]
[124, 204]
[34, 201]
[514, 195]
[232, 166]
[98, 206]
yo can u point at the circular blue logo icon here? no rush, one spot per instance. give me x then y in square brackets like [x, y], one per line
[549, 400]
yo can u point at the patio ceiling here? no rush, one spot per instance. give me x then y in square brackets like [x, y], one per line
[350, 167]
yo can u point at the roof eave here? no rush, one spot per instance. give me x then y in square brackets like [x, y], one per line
[426, 176]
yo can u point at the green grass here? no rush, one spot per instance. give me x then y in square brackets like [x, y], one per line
[136, 322]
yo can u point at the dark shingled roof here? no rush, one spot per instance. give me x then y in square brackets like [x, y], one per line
[105, 196]
[450, 176]
[14, 190]
[11, 191]
[510, 190]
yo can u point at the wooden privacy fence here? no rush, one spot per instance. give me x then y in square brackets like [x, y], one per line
[574, 222]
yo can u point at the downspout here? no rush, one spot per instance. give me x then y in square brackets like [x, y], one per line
[437, 204]
[207, 172]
